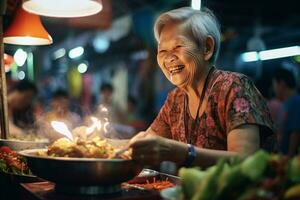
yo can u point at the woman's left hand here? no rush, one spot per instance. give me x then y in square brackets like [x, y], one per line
[151, 149]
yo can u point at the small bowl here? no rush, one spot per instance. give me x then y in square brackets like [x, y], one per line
[172, 193]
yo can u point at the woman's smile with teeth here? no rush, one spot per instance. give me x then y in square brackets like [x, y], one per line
[176, 69]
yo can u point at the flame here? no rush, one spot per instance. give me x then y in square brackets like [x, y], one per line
[62, 128]
[105, 127]
[104, 109]
[96, 125]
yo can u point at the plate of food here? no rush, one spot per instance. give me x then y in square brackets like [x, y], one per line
[13, 167]
[81, 162]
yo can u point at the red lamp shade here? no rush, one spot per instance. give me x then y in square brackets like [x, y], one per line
[8, 61]
[26, 29]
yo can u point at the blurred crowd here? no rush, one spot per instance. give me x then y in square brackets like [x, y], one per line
[28, 114]
[31, 115]
[285, 110]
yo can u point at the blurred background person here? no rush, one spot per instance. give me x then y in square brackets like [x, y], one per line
[20, 100]
[285, 88]
[106, 107]
[59, 111]
[132, 116]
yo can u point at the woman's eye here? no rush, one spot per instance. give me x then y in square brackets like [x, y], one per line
[162, 51]
[178, 46]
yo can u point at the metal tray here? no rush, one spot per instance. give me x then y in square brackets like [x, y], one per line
[18, 145]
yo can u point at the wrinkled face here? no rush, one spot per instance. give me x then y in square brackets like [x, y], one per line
[179, 56]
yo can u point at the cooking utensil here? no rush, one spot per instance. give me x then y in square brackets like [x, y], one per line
[120, 152]
[18, 145]
[80, 171]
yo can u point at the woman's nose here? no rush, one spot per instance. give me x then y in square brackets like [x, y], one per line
[171, 58]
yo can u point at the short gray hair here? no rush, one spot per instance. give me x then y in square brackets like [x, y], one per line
[200, 23]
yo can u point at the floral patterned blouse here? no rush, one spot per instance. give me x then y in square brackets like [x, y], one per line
[232, 100]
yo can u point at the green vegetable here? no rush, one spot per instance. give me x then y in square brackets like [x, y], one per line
[191, 178]
[294, 169]
[232, 182]
[254, 166]
[259, 176]
[207, 190]
[292, 192]
[3, 166]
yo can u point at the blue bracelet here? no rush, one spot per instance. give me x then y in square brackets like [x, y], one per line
[191, 156]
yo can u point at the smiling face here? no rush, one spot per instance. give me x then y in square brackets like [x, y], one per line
[178, 55]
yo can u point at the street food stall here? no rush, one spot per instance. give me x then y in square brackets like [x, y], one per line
[83, 163]
[74, 166]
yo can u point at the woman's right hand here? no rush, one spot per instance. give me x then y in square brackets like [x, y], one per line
[150, 149]
[138, 136]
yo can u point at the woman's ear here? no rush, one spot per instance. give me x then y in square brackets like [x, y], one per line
[209, 47]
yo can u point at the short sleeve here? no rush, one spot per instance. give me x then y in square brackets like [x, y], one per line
[161, 125]
[246, 105]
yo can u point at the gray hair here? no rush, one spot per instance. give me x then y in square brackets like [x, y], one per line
[200, 23]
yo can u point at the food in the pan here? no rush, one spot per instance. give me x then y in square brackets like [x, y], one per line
[87, 148]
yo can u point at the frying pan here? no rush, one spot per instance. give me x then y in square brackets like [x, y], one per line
[80, 171]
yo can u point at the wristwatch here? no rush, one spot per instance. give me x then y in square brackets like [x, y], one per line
[191, 156]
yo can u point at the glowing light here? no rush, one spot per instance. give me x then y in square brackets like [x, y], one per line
[59, 53]
[250, 56]
[271, 54]
[20, 57]
[96, 125]
[279, 53]
[104, 109]
[63, 8]
[196, 4]
[101, 44]
[62, 128]
[82, 68]
[21, 75]
[105, 127]
[76, 52]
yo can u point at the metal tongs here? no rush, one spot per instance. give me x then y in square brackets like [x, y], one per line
[127, 147]
[121, 151]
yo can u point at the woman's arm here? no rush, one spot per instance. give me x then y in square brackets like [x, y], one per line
[151, 149]
[240, 141]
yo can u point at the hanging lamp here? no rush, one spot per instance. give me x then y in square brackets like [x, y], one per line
[63, 8]
[26, 29]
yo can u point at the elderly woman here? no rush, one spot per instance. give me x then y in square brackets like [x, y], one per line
[212, 113]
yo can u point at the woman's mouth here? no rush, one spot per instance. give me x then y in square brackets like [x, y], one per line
[176, 70]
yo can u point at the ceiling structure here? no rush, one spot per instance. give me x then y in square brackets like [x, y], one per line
[277, 22]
